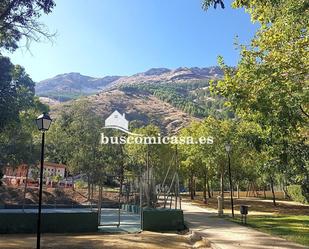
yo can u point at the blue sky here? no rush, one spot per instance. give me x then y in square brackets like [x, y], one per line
[121, 37]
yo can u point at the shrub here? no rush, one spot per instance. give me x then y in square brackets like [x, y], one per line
[80, 184]
[298, 193]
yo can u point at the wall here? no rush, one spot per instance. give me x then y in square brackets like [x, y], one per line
[163, 220]
[51, 222]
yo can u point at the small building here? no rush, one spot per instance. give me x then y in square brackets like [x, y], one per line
[17, 175]
[19, 171]
[53, 169]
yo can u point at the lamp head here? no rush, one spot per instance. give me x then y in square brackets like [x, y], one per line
[228, 147]
[43, 122]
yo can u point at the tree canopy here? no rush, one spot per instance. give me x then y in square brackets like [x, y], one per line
[19, 19]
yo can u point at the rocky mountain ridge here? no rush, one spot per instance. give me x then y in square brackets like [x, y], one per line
[72, 85]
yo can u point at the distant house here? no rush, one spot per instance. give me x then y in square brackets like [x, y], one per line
[117, 120]
[52, 169]
[19, 171]
[17, 175]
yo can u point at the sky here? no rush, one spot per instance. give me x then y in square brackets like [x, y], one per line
[121, 37]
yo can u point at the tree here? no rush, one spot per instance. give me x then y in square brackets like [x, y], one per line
[8, 94]
[19, 19]
[207, 3]
[16, 91]
[74, 140]
[18, 110]
[270, 83]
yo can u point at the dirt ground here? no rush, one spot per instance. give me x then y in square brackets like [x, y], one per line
[257, 206]
[55, 196]
[144, 240]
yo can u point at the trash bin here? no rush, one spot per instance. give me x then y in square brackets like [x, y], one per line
[243, 209]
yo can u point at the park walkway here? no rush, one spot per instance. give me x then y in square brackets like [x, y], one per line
[223, 234]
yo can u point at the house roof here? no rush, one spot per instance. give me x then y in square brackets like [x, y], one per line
[54, 165]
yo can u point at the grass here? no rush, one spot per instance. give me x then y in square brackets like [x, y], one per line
[291, 227]
[288, 220]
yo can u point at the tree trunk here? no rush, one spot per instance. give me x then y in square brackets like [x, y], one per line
[100, 203]
[73, 188]
[194, 187]
[285, 191]
[208, 189]
[222, 188]
[254, 190]
[25, 189]
[205, 188]
[248, 190]
[92, 190]
[272, 190]
[191, 187]
[264, 190]
[237, 190]
[88, 182]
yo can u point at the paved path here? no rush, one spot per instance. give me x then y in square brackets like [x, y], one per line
[224, 234]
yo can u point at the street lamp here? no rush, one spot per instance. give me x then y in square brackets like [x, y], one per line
[43, 122]
[228, 148]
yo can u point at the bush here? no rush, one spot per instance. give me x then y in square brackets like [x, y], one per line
[80, 184]
[298, 193]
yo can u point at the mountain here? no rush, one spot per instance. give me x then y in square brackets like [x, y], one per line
[140, 109]
[164, 75]
[72, 85]
[170, 99]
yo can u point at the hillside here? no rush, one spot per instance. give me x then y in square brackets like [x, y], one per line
[179, 75]
[141, 108]
[170, 99]
[68, 86]
[71, 85]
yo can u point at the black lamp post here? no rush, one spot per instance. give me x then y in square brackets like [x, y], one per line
[43, 122]
[228, 148]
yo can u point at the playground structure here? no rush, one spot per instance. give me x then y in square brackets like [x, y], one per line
[157, 204]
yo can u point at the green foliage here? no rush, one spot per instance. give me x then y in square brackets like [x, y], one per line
[18, 110]
[19, 19]
[159, 155]
[269, 86]
[270, 81]
[191, 97]
[73, 139]
[80, 184]
[208, 3]
[63, 96]
[297, 193]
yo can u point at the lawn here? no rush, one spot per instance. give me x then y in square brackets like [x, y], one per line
[293, 228]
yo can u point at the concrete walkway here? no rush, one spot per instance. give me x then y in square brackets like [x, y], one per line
[223, 234]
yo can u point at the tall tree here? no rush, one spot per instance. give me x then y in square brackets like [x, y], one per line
[270, 83]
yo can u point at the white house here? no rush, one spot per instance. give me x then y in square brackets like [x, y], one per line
[117, 120]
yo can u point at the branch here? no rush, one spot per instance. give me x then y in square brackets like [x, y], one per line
[8, 10]
[303, 111]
